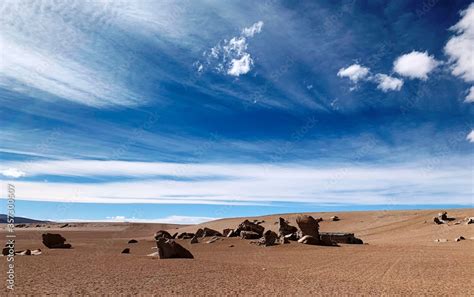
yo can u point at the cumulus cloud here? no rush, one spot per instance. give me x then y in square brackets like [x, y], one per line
[470, 136]
[460, 47]
[388, 83]
[470, 96]
[252, 30]
[13, 172]
[240, 66]
[231, 56]
[415, 65]
[355, 72]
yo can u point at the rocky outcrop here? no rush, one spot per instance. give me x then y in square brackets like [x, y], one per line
[210, 232]
[185, 235]
[249, 235]
[162, 234]
[268, 239]
[249, 226]
[168, 249]
[284, 228]
[308, 239]
[308, 226]
[55, 241]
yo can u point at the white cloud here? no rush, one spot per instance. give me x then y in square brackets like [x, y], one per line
[244, 184]
[354, 72]
[240, 66]
[415, 65]
[252, 30]
[231, 56]
[460, 48]
[470, 136]
[470, 96]
[174, 219]
[388, 83]
[13, 172]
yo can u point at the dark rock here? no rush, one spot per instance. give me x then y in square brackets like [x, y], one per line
[194, 239]
[283, 240]
[470, 221]
[168, 249]
[24, 253]
[339, 237]
[174, 235]
[249, 226]
[64, 226]
[293, 236]
[55, 241]
[210, 232]
[308, 239]
[308, 226]
[226, 232]
[335, 218]
[269, 238]
[126, 251]
[249, 235]
[459, 238]
[132, 241]
[199, 232]
[162, 234]
[438, 221]
[185, 235]
[285, 228]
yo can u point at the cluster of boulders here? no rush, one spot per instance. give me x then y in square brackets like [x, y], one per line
[10, 251]
[55, 241]
[442, 218]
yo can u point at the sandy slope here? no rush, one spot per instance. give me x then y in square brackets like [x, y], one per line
[401, 257]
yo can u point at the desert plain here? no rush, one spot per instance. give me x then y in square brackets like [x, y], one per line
[401, 255]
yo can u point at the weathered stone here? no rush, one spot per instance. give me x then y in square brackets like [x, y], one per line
[55, 241]
[64, 226]
[194, 240]
[24, 253]
[335, 218]
[226, 232]
[36, 252]
[249, 235]
[168, 249]
[339, 237]
[308, 226]
[470, 221]
[199, 232]
[210, 232]
[443, 216]
[126, 251]
[308, 239]
[459, 238]
[185, 235]
[162, 234]
[232, 233]
[249, 226]
[269, 238]
[438, 221]
[285, 228]
[132, 241]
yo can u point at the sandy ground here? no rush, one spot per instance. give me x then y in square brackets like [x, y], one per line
[400, 258]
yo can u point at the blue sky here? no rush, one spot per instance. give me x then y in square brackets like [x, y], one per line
[173, 111]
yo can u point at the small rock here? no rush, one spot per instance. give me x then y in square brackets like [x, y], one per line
[64, 226]
[24, 253]
[470, 221]
[132, 241]
[36, 252]
[126, 251]
[438, 221]
[441, 240]
[335, 218]
[231, 245]
[459, 238]
[163, 234]
[249, 235]
[194, 240]
[210, 232]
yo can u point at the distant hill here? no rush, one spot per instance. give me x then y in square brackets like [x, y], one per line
[19, 220]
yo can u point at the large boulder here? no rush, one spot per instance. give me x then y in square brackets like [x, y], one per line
[168, 249]
[199, 233]
[163, 234]
[249, 235]
[249, 226]
[55, 241]
[285, 228]
[210, 232]
[268, 239]
[308, 226]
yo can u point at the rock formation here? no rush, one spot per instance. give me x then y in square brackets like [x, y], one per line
[168, 249]
[285, 228]
[308, 226]
[55, 241]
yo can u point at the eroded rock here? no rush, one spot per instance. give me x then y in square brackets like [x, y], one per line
[284, 228]
[308, 226]
[249, 235]
[163, 234]
[168, 249]
[55, 241]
